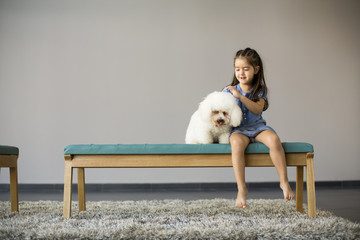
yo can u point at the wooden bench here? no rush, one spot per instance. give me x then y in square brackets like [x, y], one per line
[298, 155]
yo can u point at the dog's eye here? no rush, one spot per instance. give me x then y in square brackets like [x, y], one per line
[225, 113]
[216, 112]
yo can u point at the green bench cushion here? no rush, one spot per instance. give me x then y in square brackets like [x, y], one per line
[113, 149]
[8, 150]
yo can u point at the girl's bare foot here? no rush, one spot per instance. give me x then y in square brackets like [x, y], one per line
[288, 192]
[241, 198]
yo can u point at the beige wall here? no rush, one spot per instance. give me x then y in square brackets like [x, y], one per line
[87, 71]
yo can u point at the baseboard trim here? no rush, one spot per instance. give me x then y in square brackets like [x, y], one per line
[170, 187]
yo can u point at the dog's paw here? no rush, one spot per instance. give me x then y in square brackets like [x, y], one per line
[224, 139]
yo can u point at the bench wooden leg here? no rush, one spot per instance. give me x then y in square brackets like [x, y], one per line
[310, 185]
[81, 189]
[14, 189]
[299, 188]
[67, 189]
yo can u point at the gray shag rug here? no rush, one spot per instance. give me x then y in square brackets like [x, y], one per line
[172, 219]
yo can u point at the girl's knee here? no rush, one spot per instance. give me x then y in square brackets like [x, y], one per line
[275, 142]
[270, 139]
[239, 142]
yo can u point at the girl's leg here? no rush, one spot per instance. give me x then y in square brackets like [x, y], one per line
[239, 142]
[277, 155]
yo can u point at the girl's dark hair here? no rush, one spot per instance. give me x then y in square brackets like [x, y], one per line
[259, 80]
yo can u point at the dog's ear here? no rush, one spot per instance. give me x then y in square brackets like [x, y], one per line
[236, 116]
[205, 110]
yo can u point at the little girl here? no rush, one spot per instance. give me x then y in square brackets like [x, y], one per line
[249, 89]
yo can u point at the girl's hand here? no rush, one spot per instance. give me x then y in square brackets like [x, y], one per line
[234, 91]
[254, 107]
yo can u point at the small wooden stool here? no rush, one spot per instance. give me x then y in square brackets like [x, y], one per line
[8, 158]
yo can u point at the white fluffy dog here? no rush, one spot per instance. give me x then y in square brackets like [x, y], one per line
[212, 122]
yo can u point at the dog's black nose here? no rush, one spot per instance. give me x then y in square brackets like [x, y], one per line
[220, 121]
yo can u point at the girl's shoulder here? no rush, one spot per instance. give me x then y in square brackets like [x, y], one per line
[262, 95]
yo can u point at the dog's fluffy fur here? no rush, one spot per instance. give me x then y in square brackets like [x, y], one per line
[212, 122]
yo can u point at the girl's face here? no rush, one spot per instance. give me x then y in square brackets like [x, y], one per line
[244, 71]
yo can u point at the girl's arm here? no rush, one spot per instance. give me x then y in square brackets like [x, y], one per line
[254, 107]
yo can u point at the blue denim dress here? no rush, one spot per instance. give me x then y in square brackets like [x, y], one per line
[251, 124]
